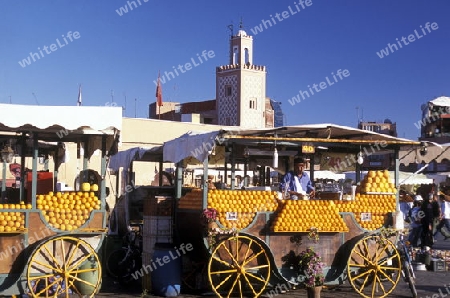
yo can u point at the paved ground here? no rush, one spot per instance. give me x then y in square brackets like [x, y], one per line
[429, 284]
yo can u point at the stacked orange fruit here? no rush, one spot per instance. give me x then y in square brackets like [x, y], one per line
[378, 205]
[191, 200]
[67, 211]
[377, 181]
[301, 215]
[13, 221]
[374, 199]
[245, 204]
[242, 200]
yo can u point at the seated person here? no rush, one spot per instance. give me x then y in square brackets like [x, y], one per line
[297, 183]
[210, 182]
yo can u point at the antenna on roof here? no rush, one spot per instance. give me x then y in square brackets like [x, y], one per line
[357, 115]
[35, 98]
[124, 108]
[230, 27]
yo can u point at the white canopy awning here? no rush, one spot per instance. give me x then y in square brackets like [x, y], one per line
[63, 123]
[101, 119]
[191, 144]
[327, 175]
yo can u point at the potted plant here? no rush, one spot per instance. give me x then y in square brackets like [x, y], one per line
[311, 266]
[210, 216]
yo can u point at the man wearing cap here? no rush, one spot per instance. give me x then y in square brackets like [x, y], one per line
[297, 183]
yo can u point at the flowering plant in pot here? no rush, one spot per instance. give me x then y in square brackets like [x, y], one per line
[210, 216]
[310, 264]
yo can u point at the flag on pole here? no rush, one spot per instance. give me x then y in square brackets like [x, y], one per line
[79, 96]
[159, 101]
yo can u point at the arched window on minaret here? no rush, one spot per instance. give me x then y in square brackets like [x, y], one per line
[235, 55]
[247, 56]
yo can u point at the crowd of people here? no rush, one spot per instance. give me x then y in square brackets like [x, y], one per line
[428, 214]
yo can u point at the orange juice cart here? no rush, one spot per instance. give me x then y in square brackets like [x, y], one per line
[50, 238]
[247, 242]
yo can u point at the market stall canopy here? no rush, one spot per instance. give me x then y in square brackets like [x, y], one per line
[324, 132]
[123, 159]
[328, 175]
[63, 123]
[200, 144]
[192, 144]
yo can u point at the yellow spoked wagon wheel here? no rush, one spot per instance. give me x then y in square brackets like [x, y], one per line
[64, 267]
[239, 267]
[374, 266]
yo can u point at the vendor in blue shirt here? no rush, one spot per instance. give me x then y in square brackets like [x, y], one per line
[297, 183]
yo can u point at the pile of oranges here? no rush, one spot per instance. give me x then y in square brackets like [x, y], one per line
[377, 182]
[13, 221]
[378, 205]
[191, 200]
[245, 204]
[67, 211]
[242, 200]
[374, 199]
[243, 220]
[301, 215]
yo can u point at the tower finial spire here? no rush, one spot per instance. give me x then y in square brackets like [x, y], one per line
[241, 24]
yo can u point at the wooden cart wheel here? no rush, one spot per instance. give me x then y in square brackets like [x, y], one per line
[239, 266]
[373, 268]
[63, 267]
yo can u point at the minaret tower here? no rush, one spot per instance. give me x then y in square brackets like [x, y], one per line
[241, 86]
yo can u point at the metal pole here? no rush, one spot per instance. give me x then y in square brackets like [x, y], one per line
[102, 175]
[85, 161]
[233, 167]
[34, 170]
[22, 180]
[396, 177]
[205, 183]
[4, 180]
[179, 181]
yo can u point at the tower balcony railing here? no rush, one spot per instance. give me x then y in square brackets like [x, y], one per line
[239, 66]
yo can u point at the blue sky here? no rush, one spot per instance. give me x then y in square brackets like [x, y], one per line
[124, 54]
